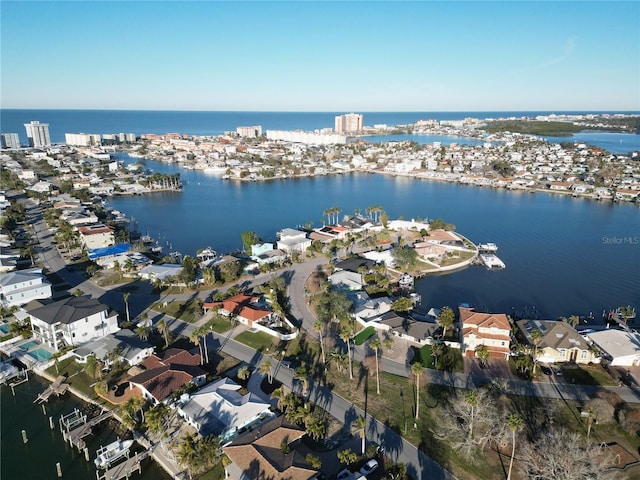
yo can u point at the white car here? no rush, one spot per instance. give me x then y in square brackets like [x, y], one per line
[369, 467]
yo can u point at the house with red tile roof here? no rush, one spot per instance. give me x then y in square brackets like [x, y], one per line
[261, 453]
[164, 374]
[246, 309]
[97, 236]
[490, 329]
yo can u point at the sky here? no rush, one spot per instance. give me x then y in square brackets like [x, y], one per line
[321, 56]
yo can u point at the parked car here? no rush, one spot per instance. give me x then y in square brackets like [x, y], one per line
[343, 474]
[557, 371]
[369, 467]
[545, 370]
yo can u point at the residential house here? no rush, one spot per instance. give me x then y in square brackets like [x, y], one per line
[490, 329]
[559, 343]
[164, 374]
[275, 450]
[20, 287]
[367, 309]
[291, 240]
[221, 409]
[356, 264]
[246, 309]
[407, 328]
[133, 350]
[72, 321]
[97, 236]
[620, 348]
[160, 272]
[346, 280]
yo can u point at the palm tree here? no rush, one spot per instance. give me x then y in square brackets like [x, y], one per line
[536, 336]
[143, 332]
[446, 317]
[417, 369]
[345, 335]
[437, 350]
[471, 398]
[515, 424]
[482, 352]
[163, 329]
[243, 373]
[347, 456]
[302, 375]
[574, 320]
[203, 332]
[265, 369]
[375, 345]
[194, 336]
[388, 342]
[360, 424]
[126, 304]
[318, 326]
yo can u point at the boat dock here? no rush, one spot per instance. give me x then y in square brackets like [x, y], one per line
[491, 261]
[124, 469]
[58, 387]
[75, 436]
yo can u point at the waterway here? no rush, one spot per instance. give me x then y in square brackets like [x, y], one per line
[38, 457]
[564, 255]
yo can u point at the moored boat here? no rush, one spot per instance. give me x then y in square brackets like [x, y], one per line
[112, 452]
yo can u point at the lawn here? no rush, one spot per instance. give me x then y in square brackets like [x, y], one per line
[364, 335]
[188, 311]
[75, 377]
[423, 355]
[587, 375]
[219, 324]
[261, 341]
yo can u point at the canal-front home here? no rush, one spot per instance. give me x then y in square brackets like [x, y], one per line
[559, 343]
[490, 329]
[71, 322]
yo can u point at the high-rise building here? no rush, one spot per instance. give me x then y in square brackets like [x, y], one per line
[253, 131]
[349, 122]
[10, 140]
[38, 134]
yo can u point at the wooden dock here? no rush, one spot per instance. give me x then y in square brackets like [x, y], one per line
[76, 436]
[124, 469]
[58, 387]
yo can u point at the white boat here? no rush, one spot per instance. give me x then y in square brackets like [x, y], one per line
[112, 452]
[488, 247]
[491, 261]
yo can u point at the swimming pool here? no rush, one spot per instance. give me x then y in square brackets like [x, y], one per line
[4, 328]
[40, 354]
[28, 345]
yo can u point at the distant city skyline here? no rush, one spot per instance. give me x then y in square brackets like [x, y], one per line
[321, 56]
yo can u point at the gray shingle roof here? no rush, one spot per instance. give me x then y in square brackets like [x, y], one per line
[68, 311]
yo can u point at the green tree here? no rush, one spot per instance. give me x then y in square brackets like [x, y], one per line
[376, 346]
[574, 320]
[416, 369]
[143, 332]
[402, 304]
[472, 399]
[318, 327]
[126, 304]
[446, 318]
[345, 336]
[482, 352]
[249, 239]
[265, 369]
[515, 424]
[536, 337]
[313, 461]
[347, 456]
[163, 329]
[405, 258]
[156, 417]
[360, 424]
[243, 372]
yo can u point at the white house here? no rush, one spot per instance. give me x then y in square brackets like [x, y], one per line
[291, 240]
[133, 349]
[220, 409]
[20, 287]
[97, 236]
[620, 348]
[72, 321]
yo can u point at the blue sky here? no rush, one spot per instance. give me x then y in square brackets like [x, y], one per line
[321, 56]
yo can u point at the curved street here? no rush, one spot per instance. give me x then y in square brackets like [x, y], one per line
[419, 465]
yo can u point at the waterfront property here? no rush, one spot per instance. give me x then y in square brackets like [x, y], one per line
[97, 236]
[620, 348]
[71, 322]
[164, 374]
[221, 409]
[490, 329]
[273, 451]
[20, 287]
[132, 349]
[559, 343]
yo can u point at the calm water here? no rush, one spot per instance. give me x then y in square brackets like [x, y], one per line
[610, 141]
[424, 139]
[37, 459]
[564, 255]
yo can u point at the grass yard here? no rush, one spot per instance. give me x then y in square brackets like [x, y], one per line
[76, 377]
[364, 335]
[587, 375]
[424, 356]
[188, 311]
[263, 342]
[219, 324]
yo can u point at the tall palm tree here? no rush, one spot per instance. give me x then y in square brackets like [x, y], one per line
[302, 375]
[437, 351]
[473, 400]
[446, 318]
[417, 369]
[163, 329]
[345, 335]
[265, 369]
[360, 424]
[194, 336]
[318, 326]
[515, 424]
[126, 304]
[376, 345]
[536, 336]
